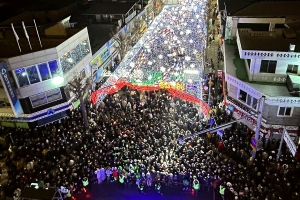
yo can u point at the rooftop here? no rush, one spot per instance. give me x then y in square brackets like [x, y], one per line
[269, 41]
[236, 67]
[99, 35]
[10, 47]
[270, 8]
[108, 8]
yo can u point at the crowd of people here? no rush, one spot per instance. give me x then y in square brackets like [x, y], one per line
[133, 140]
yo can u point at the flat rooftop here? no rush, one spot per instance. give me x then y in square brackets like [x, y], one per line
[99, 35]
[269, 9]
[108, 8]
[277, 43]
[10, 47]
[236, 67]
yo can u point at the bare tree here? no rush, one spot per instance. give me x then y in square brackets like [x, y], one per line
[122, 39]
[158, 5]
[136, 32]
[79, 90]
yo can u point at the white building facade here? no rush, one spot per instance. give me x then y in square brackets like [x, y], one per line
[40, 77]
[269, 67]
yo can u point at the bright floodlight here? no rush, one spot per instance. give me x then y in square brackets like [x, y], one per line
[58, 80]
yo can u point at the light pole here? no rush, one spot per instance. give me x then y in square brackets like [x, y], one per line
[210, 84]
[259, 118]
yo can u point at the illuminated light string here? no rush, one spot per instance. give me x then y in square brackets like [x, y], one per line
[173, 45]
[174, 92]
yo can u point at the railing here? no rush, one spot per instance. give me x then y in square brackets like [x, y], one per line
[240, 84]
[279, 100]
[266, 55]
[248, 31]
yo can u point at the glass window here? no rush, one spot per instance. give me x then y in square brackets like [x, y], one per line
[292, 69]
[75, 55]
[243, 95]
[45, 97]
[85, 49]
[38, 100]
[285, 111]
[21, 76]
[32, 74]
[54, 68]
[44, 71]
[268, 66]
[254, 103]
[53, 95]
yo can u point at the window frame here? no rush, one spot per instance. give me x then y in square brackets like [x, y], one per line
[293, 66]
[17, 80]
[268, 66]
[291, 113]
[245, 102]
[38, 71]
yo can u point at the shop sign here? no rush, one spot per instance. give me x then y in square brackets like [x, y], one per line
[16, 106]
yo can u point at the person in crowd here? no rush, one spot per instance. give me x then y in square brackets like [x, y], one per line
[133, 138]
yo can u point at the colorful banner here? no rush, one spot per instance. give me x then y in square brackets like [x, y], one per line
[175, 92]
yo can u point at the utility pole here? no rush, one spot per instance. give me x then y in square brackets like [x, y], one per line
[79, 91]
[259, 118]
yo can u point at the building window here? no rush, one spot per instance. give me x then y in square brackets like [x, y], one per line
[74, 56]
[54, 68]
[21, 77]
[284, 111]
[292, 69]
[268, 66]
[45, 97]
[248, 99]
[44, 71]
[32, 74]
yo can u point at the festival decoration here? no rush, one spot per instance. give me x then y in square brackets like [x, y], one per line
[170, 54]
[174, 92]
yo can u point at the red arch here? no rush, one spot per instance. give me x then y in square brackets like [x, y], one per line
[177, 93]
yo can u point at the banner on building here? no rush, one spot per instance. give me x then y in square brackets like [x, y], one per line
[10, 92]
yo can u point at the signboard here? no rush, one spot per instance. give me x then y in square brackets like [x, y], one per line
[10, 92]
[289, 142]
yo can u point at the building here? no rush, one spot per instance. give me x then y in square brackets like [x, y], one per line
[34, 75]
[262, 57]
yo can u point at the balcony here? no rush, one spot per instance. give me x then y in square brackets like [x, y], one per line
[266, 45]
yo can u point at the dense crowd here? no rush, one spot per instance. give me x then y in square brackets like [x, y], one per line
[133, 140]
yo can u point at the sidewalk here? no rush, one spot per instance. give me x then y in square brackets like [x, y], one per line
[211, 51]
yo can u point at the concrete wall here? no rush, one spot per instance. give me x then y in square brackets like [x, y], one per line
[279, 76]
[232, 91]
[271, 21]
[270, 114]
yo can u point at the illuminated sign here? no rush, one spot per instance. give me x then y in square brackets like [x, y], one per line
[16, 106]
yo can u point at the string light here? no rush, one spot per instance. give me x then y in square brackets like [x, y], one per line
[174, 43]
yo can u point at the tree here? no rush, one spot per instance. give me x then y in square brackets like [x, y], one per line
[79, 90]
[122, 39]
[158, 5]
